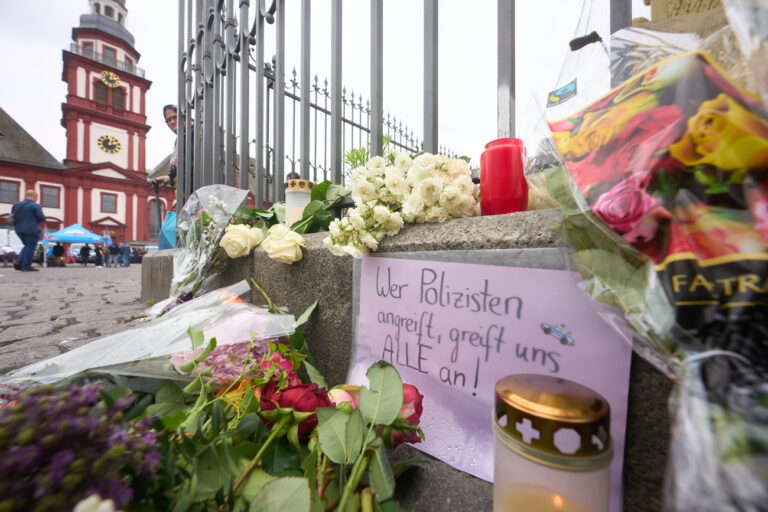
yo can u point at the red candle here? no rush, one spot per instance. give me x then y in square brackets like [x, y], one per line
[503, 188]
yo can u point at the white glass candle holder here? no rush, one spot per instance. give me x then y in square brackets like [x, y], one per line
[553, 447]
[298, 193]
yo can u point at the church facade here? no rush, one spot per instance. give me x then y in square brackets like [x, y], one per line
[102, 182]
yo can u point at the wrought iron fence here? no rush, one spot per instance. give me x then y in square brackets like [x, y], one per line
[232, 105]
[232, 117]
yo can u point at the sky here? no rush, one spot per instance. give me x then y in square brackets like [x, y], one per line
[33, 35]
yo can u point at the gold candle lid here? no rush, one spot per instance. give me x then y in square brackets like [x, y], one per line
[297, 185]
[548, 415]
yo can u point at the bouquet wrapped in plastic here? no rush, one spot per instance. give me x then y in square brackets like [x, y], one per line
[665, 193]
[200, 226]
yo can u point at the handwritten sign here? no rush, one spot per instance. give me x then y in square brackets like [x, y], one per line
[454, 329]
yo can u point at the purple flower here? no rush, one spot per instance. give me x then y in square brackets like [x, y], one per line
[119, 437]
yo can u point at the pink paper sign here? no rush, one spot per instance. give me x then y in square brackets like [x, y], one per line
[454, 329]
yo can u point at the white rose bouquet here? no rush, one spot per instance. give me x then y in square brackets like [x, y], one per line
[389, 192]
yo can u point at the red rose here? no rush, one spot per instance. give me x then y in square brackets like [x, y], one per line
[411, 413]
[640, 147]
[628, 209]
[301, 398]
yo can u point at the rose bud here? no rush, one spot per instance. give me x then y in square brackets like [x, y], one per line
[345, 394]
[411, 413]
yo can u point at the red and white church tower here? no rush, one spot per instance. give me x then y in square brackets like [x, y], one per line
[106, 125]
[101, 183]
[104, 114]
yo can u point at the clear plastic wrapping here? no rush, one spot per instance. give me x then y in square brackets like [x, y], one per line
[146, 350]
[665, 194]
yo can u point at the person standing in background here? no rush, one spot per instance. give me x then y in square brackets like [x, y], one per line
[85, 251]
[99, 263]
[29, 215]
[125, 254]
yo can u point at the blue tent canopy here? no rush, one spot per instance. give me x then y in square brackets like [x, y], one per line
[75, 233]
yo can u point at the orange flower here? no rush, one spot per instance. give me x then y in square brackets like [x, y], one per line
[711, 231]
[237, 393]
[601, 126]
[725, 134]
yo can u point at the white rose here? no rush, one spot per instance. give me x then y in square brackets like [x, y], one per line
[429, 189]
[359, 173]
[239, 240]
[335, 227]
[335, 249]
[353, 251]
[403, 161]
[441, 160]
[465, 185]
[449, 197]
[369, 240]
[412, 207]
[94, 503]
[426, 161]
[435, 214]
[356, 220]
[366, 191]
[393, 224]
[380, 214]
[376, 166]
[458, 168]
[283, 245]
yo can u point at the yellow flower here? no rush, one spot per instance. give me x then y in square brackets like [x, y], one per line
[724, 134]
[601, 126]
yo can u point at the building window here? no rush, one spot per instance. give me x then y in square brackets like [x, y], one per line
[49, 196]
[9, 192]
[110, 56]
[118, 98]
[97, 8]
[108, 203]
[129, 64]
[88, 49]
[120, 18]
[100, 93]
[109, 12]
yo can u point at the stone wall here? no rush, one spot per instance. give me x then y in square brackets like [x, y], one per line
[328, 279]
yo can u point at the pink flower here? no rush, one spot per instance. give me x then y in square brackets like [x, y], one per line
[411, 413]
[760, 212]
[345, 394]
[283, 367]
[628, 209]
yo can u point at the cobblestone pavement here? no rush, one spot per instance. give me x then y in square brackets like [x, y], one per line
[45, 313]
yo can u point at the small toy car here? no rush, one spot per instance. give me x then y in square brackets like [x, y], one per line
[559, 332]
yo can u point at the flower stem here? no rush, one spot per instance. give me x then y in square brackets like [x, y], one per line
[366, 500]
[354, 479]
[276, 430]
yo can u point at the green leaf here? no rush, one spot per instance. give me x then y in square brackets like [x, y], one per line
[297, 341]
[186, 494]
[309, 466]
[288, 494]
[196, 336]
[315, 375]
[138, 407]
[305, 315]
[248, 425]
[215, 471]
[380, 474]
[383, 401]
[254, 482]
[168, 400]
[279, 209]
[111, 396]
[336, 192]
[208, 349]
[280, 460]
[311, 208]
[332, 434]
[319, 191]
[391, 506]
[354, 441]
[173, 421]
